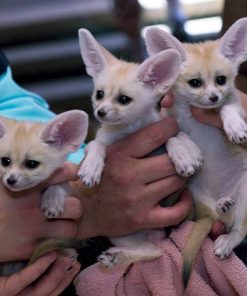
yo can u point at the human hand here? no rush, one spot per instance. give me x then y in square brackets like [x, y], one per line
[132, 185]
[206, 116]
[48, 276]
[23, 225]
[211, 118]
[218, 228]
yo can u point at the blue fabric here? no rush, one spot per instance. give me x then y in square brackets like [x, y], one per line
[20, 104]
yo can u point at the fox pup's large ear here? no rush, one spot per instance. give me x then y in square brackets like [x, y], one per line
[66, 131]
[160, 71]
[157, 40]
[233, 44]
[95, 56]
[2, 128]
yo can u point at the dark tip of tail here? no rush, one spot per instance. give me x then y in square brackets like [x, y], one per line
[186, 274]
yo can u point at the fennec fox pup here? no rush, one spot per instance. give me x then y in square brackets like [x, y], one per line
[207, 80]
[30, 152]
[125, 99]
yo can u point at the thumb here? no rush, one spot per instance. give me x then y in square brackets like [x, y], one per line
[217, 229]
[210, 117]
[146, 140]
[67, 172]
[167, 101]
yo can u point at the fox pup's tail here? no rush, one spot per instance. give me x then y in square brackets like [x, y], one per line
[201, 229]
[56, 244]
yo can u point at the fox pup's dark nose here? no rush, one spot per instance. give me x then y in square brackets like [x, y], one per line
[101, 112]
[214, 99]
[11, 180]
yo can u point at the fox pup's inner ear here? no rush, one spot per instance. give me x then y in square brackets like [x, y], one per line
[3, 128]
[233, 44]
[160, 71]
[157, 40]
[67, 131]
[95, 56]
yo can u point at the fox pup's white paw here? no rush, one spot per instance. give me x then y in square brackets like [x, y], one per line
[93, 164]
[52, 204]
[223, 246]
[234, 125]
[91, 170]
[185, 155]
[112, 257]
[225, 205]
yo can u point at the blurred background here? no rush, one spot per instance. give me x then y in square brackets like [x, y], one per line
[40, 37]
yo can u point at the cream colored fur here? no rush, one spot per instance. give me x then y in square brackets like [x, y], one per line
[145, 84]
[221, 185]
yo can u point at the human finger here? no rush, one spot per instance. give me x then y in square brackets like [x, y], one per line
[58, 228]
[50, 280]
[72, 209]
[210, 117]
[20, 280]
[164, 187]
[70, 275]
[167, 216]
[243, 100]
[218, 228]
[146, 140]
[67, 172]
[155, 168]
[167, 100]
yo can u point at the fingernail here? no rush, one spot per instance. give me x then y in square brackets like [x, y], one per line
[75, 268]
[70, 265]
[51, 256]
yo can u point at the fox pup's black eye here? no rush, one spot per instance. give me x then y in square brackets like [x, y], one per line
[32, 164]
[5, 161]
[99, 94]
[195, 83]
[221, 80]
[124, 100]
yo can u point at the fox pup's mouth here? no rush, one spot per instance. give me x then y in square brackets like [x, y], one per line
[207, 105]
[15, 187]
[109, 120]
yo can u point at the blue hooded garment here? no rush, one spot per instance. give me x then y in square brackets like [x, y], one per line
[20, 104]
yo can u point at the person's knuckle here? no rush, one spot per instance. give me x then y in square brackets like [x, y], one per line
[177, 181]
[170, 122]
[173, 218]
[113, 152]
[125, 179]
[66, 229]
[73, 207]
[136, 220]
[179, 215]
[154, 135]
[120, 176]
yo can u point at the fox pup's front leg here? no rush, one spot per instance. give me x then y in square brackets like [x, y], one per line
[232, 117]
[185, 155]
[93, 163]
[52, 203]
